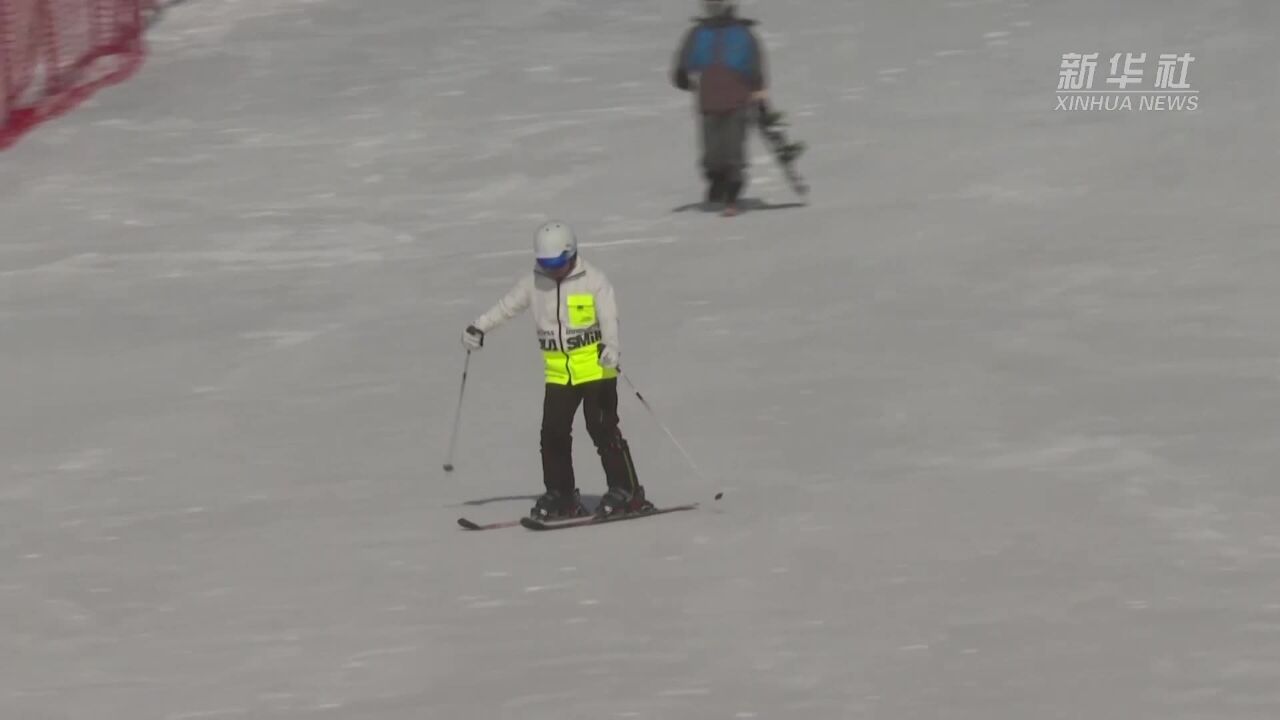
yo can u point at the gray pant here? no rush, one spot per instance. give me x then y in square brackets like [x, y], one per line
[724, 140]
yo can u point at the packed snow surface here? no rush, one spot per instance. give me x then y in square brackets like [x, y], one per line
[995, 414]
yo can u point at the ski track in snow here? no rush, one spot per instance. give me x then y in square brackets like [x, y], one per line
[995, 414]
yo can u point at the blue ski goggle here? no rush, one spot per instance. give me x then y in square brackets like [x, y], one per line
[557, 262]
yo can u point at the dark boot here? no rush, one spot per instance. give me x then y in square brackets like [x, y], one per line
[732, 189]
[554, 505]
[731, 192]
[715, 189]
[619, 501]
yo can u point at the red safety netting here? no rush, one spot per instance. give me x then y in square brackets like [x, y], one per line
[54, 54]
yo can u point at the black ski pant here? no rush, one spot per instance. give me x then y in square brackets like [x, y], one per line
[724, 154]
[599, 401]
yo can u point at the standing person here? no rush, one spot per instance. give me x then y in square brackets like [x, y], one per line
[576, 318]
[723, 60]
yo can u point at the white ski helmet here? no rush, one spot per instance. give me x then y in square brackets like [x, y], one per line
[716, 8]
[554, 245]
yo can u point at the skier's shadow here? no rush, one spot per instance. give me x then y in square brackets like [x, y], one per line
[589, 500]
[745, 205]
[503, 498]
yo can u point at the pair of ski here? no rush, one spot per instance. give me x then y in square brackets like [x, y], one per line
[532, 524]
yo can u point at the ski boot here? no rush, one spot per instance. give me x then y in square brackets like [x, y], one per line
[622, 502]
[715, 193]
[731, 191]
[554, 505]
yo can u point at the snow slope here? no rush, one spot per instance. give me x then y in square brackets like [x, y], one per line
[996, 414]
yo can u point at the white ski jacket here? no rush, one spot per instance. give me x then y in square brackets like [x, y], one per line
[572, 317]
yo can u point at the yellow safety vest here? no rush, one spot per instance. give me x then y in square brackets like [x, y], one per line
[576, 357]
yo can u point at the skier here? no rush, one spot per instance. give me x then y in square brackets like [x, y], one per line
[723, 60]
[576, 318]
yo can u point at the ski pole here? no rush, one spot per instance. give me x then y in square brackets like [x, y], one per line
[675, 442]
[457, 416]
